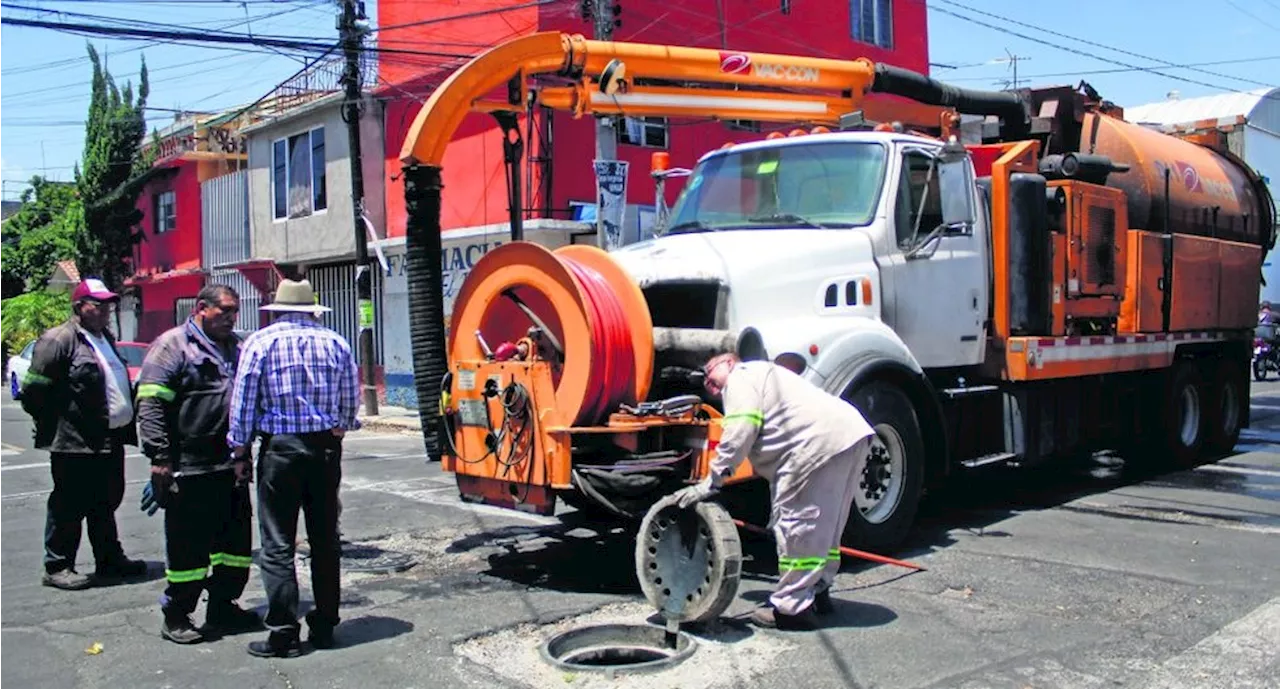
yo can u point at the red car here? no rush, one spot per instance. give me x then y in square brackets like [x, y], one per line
[133, 353]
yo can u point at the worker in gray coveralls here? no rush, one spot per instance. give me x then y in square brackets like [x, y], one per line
[806, 443]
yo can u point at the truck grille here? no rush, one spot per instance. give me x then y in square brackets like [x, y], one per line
[686, 304]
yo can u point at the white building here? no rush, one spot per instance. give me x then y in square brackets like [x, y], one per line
[1251, 121]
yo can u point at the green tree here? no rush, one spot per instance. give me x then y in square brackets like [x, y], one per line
[24, 317]
[111, 176]
[38, 236]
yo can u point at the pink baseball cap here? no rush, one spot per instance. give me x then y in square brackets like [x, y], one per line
[93, 288]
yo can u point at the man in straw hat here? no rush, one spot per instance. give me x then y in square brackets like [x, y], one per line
[296, 389]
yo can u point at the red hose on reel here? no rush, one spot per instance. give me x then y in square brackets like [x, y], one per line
[578, 293]
[612, 356]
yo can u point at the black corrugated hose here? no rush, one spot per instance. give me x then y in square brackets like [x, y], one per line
[422, 187]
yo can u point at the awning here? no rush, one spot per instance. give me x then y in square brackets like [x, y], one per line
[154, 278]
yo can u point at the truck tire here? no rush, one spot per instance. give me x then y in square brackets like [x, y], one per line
[892, 480]
[1226, 408]
[1182, 430]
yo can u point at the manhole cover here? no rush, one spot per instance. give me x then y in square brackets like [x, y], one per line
[688, 561]
[358, 557]
[618, 648]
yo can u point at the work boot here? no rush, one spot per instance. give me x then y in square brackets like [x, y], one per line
[277, 645]
[319, 633]
[122, 568]
[822, 604]
[67, 579]
[229, 618]
[179, 629]
[766, 616]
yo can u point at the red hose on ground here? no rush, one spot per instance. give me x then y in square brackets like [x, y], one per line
[860, 554]
[612, 355]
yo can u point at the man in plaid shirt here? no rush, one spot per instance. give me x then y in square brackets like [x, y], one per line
[296, 388]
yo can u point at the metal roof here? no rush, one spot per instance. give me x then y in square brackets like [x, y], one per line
[1225, 105]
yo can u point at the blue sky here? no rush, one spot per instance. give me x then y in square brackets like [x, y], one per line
[44, 75]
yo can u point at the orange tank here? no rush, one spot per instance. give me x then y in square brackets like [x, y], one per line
[1209, 194]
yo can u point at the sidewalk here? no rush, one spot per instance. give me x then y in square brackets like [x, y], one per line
[392, 419]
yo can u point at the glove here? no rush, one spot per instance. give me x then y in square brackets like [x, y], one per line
[157, 493]
[148, 503]
[687, 497]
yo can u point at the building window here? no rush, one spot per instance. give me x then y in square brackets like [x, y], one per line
[165, 208]
[298, 180]
[650, 132]
[872, 21]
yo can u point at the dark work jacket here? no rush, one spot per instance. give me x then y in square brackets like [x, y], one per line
[65, 392]
[184, 395]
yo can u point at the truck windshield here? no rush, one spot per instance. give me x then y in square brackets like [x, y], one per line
[821, 184]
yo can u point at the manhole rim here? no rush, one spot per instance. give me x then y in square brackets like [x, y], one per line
[679, 656]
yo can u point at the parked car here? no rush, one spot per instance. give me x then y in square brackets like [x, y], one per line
[132, 352]
[17, 368]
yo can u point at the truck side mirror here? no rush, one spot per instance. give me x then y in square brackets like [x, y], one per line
[955, 187]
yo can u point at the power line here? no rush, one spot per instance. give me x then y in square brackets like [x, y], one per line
[468, 15]
[1122, 70]
[297, 43]
[1252, 16]
[1087, 42]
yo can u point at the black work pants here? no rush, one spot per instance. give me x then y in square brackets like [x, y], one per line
[89, 488]
[208, 522]
[299, 472]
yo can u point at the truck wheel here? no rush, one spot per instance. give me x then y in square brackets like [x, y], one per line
[1183, 419]
[1226, 405]
[892, 477]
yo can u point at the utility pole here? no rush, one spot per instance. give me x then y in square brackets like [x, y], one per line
[352, 27]
[602, 11]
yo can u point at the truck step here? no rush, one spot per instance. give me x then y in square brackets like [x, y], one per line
[987, 460]
[953, 393]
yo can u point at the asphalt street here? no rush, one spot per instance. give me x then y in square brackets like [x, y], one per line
[1082, 576]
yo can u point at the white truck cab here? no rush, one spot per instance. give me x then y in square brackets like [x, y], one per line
[831, 246]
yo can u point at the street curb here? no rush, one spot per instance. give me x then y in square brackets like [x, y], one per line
[390, 425]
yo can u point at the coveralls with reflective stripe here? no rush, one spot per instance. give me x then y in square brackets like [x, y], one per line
[184, 393]
[807, 443]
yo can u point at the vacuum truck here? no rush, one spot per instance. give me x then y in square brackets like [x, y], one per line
[1039, 281]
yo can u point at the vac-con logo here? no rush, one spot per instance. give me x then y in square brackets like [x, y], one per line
[1189, 176]
[1193, 182]
[734, 63]
[741, 63]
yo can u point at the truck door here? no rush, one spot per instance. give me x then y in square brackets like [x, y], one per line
[940, 267]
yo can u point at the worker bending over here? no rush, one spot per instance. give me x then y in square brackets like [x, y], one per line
[807, 444]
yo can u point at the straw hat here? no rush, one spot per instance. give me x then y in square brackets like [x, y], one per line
[296, 296]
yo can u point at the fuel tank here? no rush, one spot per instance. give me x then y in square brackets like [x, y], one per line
[1208, 194]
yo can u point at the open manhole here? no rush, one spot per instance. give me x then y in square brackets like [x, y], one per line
[688, 560]
[618, 648]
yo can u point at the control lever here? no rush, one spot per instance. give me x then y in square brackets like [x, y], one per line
[555, 342]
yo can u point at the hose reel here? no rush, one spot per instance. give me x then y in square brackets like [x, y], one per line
[584, 305]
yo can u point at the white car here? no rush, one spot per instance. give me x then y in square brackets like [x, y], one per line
[17, 367]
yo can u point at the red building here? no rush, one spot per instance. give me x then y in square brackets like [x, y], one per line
[890, 31]
[168, 270]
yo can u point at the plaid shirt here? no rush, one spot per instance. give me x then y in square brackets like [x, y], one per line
[295, 376]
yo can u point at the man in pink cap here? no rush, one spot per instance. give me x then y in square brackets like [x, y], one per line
[78, 393]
